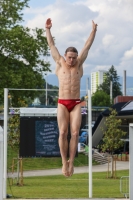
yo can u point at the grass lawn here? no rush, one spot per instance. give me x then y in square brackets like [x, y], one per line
[73, 187]
[59, 186]
[43, 162]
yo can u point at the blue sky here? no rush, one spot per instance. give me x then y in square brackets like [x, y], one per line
[72, 23]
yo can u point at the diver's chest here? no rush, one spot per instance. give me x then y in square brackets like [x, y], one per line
[70, 72]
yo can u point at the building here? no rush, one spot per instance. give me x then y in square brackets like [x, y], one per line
[97, 78]
[124, 112]
[119, 99]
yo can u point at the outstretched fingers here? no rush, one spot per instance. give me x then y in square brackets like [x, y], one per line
[94, 26]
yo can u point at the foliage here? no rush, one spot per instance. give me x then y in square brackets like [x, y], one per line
[22, 52]
[52, 96]
[82, 98]
[111, 75]
[100, 98]
[112, 137]
[43, 163]
[14, 132]
[14, 128]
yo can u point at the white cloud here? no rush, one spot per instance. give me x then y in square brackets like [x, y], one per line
[107, 39]
[38, 21]
[126, 62]
[72, 26]
[129, 54]
[100, 67]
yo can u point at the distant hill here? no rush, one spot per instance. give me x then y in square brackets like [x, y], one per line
[129, 81]
[129, 85]
[53, 80]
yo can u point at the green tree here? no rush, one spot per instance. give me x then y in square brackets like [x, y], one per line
[52, 96]
[14, 132]
[111, 75]
[112, 136]
[14, 128]
[22, 52]
[100, 98]
[82, 98]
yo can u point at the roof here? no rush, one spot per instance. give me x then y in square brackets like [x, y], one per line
[83, 103]
[124, 110]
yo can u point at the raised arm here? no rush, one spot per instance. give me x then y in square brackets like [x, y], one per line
[54, 51]
[85, 50]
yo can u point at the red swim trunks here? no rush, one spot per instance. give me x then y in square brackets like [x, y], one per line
[69, 103]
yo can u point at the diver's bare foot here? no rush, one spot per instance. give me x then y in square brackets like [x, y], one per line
[65, 171]
[70, 168]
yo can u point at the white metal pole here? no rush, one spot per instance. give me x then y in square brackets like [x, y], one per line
[46, 90]
[111, 89]
[5, 140]
[90, 142]
[87, 85]
[124, 83]
[47, 54]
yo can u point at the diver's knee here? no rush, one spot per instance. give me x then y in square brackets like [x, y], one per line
[63, 134]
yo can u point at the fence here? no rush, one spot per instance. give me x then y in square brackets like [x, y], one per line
[124, 185]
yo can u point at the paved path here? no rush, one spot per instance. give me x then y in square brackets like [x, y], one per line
[120, 165]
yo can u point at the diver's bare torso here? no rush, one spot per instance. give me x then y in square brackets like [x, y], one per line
[69, 79]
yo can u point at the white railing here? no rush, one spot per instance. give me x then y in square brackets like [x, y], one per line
[99, 154]
[124, 186]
